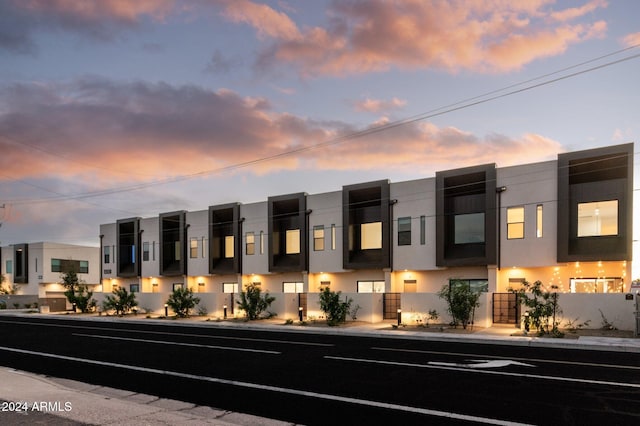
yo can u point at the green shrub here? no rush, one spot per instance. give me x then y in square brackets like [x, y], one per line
[253, 302]
[120, 301]
[182, 301]
[461, 302]
[335, 310]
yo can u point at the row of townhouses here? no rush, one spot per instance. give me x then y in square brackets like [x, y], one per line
[388, 246]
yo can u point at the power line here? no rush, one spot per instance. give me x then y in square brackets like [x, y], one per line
[467, 103]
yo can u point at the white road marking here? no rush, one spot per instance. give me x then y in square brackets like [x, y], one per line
[298, 392]
[550, 361]
[164, 342]
[482, 363]
[498, 373]
[208, 336]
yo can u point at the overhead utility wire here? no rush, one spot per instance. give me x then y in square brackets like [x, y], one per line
[347, 137]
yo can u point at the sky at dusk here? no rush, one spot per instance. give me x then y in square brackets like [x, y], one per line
[113, 109]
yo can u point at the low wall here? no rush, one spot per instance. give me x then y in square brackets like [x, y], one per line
[9, 301]
[613, 308]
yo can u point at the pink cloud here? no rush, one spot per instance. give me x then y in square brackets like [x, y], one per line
[377, 35]
[124, 10]
[103, 132]
[377, 105]
[266, 20]
[631, 40]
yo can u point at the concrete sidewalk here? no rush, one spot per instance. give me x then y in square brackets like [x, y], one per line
[31, 399]
[53, 401]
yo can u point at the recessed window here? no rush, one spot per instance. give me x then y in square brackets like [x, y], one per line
[107, 254]
[292, 241]
[9, 267]
[469, 228]
[371, 236]
[250, 243]
[476, 285]
[423, 230]
[404, 231]
[539, 221]
[229, 247]
[134, 288]
[598, 218]
[84, 267]
[515, 223]
[318, 237]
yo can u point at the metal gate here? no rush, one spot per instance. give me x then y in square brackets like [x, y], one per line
[390, 305]
[506, 309]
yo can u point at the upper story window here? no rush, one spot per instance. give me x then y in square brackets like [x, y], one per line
[515, 223]
[229, 244]
[371, 236]
[469, 228]
[292, 241]
[404, 231]
[250, 243]
[193, 248]
[598, 218]
[66, 265]
[145, 251]
[318, 237]
[539, 221]
[107, 254]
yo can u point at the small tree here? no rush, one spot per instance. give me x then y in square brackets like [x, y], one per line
[335, 310]
[121, 301]
[253, 302]
[182, 301]
[461, 302]
[77, 292]
[543, 307]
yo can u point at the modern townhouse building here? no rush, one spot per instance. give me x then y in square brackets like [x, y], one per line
[393, 246]
[35, 271]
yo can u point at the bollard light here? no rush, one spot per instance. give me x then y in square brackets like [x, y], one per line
[166, 310]
[300, 313]
[399, 316]
[225, 311]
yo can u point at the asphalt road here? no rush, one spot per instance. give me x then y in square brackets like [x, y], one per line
[320, 379]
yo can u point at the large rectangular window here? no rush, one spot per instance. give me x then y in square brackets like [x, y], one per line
[598, 218]
[597, 285]
[515, 223]
[229, 244]
[469, 228]
[539, 221]
[250, 243]
[371, 236]
[318, 237]
[370, 286]
[477, 285]
[292, 241]
[229, 287]
[292, 287]
[404, 231]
